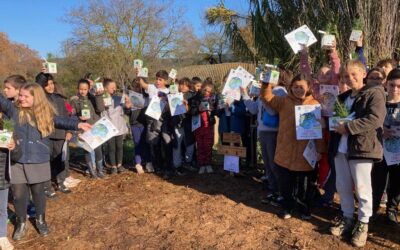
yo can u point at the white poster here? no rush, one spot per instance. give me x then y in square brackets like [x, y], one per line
[143, 72]
[328, 95]
[102, 131]
[255, 88]
[5, 138]
[311, 154]
[155, 108]
[237, 78]
[231, 163]
[302, 36]
[308, 124]
[137, 99]
[391, 147]
[176, 105]
[137, 64]
[355, 35]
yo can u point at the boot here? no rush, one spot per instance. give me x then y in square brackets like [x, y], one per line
[20, 229]
[99, 166]
[360, 234]
[41, 225]
[343, 227]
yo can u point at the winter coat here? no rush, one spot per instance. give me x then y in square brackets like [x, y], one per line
[289, 150]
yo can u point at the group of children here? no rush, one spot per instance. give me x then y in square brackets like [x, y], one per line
[45, 121]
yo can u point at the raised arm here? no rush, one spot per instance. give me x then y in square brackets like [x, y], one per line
[335, 66]
[273, 101]
[7, 107]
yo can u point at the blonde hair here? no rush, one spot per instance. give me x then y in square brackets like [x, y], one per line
[351, 63]
[41, 114]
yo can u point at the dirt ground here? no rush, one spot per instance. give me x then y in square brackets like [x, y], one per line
[214, 211]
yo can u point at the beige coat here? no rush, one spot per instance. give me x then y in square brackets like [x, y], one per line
[289, 151]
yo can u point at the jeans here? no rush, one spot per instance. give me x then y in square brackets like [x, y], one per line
[177, 151]
[268, 145]
[3, 212]
[142, 150]
[354, 174]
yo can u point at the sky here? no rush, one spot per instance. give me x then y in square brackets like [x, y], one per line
[39, 23]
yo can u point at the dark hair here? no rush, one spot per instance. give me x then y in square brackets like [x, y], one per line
[43, 79]
[15, 80]
[285, 77]
[162, 74]
[209, 80]
[394, 74]
[377, 69]
[107, 81]
[387, 61]
[302, 77]
[185, 81]
[207, 84]
[83, 81]
[196, 80]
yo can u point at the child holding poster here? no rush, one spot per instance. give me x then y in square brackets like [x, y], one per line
[87, 108]
[294, 171]
[115, 113]
[183, 135]
[357, 145]
[159, 134]
[35, 119]
[204, 105]
[391, 162]
[137, 121]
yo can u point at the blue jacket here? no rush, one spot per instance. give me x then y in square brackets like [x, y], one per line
[236, 122]
[34, 147]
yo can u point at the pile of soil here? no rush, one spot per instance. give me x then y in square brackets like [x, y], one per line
[211, 211]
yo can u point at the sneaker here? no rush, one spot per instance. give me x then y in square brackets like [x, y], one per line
[149, 167]
[189, 167]
[202, 170]
[120, 169]
[209, 169]
[50, 194]
[342, 227]
[286, 215]
[71, 179]
[305, 215]
[139, 169]
[63, 189]
[360, 234]
[179, 171]
[267, 199]
[100, 174]
[113, 170]
[5, 244]
[391, 217]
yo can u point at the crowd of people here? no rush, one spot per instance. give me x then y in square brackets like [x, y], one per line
[351, 160]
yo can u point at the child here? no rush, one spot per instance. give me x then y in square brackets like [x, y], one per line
[356, 146]
[376, 77]
[183, 135]
[197, 83]
[267, 131]
[204, 105]
[4, 185]
[387, 65]
[294, 171]
[159, 131]
[137, 120]
[115, 113]
[12, 84]
[57, 138]
[35, 120]
[91, 106]
[381, 170]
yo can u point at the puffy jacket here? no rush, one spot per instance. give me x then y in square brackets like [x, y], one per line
[34, 148]
[236, 122]
[289, 150]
